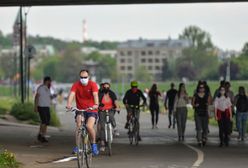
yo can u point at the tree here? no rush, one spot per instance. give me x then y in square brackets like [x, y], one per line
[245, 49]
[234, 70]
[185, 70]
[7, 65]
[199, 38]
[166, 71]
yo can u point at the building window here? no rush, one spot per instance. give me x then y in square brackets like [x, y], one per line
[150, 60]
[149, 67]
[122, 60]
[143, 53]
[157, 67]
[123, 68]
[129, 68]
[143, 60]
[149, 52]
[129, 53]
[122, 53]
[157, 60]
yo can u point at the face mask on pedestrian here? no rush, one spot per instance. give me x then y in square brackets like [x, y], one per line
[105, 90]
[134, 89]
[84, 80]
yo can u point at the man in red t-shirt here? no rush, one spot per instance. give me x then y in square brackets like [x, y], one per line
[85, 92]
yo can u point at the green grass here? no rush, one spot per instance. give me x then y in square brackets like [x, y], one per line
[190, 86]
[8, 160]
[6, 91]
[6, 104]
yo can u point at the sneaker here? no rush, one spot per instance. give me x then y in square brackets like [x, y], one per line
[126, 126]
[44, 140]
[75, 150]
[39, 137]
[139, 138]
[156, 126]
[94, 149]
[116, 133]
[102, 149]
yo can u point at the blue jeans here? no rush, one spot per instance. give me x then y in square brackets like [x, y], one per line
[242, 119]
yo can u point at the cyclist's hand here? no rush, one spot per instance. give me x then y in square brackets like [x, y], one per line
[95, 106]
[68, 107]
[118, 110]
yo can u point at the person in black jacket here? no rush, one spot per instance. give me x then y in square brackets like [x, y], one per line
[241, 103]
[154, 105]
[132, 97]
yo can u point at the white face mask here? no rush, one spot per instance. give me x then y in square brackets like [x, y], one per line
[84, 81]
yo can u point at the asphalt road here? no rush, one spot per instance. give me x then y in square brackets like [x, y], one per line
[158, 149]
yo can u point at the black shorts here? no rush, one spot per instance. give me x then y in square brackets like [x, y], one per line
[87, 115]
[44, 115]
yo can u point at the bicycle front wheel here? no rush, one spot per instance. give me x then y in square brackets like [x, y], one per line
[109, 139]
[136, 132]
[87, 152]
[130, 133]
[80, 156]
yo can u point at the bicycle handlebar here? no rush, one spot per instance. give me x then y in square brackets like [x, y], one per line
[74, 109]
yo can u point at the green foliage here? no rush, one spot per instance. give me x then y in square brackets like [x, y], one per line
[24, 112]
[5, 41]
[5, 91]
[7, 65]
[104, 45]
[142, 74]
[54, 119]
[6, 104]
[8, 160]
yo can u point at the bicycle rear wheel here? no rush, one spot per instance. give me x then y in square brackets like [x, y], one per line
[87, 152]
[80, 156]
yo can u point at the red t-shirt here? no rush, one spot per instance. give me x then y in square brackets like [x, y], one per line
[84, 94]
[107, 104]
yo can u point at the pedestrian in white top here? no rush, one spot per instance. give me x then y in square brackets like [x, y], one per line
[223, 114]
[42, 103]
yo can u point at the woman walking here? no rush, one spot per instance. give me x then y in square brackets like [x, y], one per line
[154, 105]
[241, 103]
[180, 110]
[223, 115]
[200, 103]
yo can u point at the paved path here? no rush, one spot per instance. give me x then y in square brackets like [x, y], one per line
[159, 148]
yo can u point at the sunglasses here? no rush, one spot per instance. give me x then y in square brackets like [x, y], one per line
[83, 77]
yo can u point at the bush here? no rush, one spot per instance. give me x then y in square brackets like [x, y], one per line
[54, 119]
[8, 160]
[24, 112]
[5, 105]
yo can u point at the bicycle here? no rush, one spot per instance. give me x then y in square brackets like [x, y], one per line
[108, 129]
[84, 154]
[133, 129]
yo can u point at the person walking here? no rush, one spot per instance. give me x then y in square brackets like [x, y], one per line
[154, 95]
[223, 114]
[42, 104]
[200, 103]
[241, 103]
[180, 110]
[169, 104]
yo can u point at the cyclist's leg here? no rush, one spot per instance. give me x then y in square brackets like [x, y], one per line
[129, 114]
[79, 118]
[112, 118]
[91, 120]
[102, 117]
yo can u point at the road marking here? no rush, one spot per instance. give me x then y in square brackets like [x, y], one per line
[65, 159]
[200, 156]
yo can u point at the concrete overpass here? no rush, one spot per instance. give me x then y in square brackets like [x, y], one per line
[101, 2]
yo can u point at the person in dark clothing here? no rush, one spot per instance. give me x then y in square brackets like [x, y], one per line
[169, 104]
[241, 103]
[132, 98]
[154, 105]
[200, 103]
[108, 102]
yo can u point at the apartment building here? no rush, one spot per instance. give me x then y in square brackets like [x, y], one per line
[151, 54]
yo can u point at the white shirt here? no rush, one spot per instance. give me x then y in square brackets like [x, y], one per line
[222, 103]
[44, 98]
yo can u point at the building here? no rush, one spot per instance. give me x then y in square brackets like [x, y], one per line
[151, 54]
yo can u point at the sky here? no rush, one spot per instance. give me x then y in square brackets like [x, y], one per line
[227, 23]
